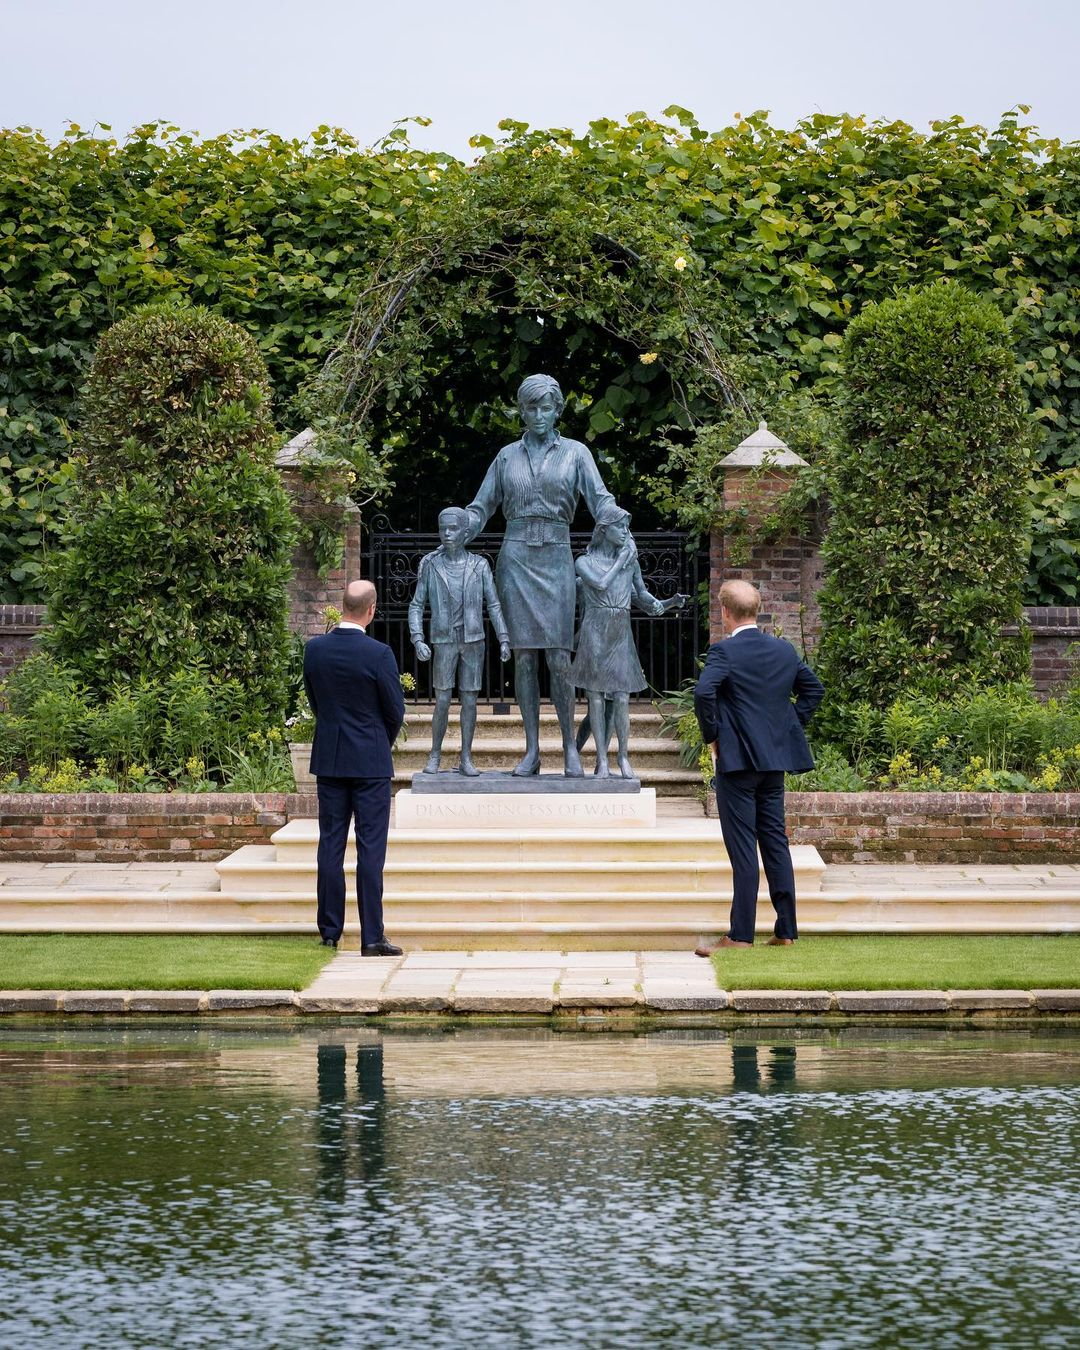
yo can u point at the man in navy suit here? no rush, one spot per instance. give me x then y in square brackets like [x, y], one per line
[744, 707]
[353, 687]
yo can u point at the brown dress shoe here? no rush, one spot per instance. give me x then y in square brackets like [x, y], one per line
[724, 942]
[780, 942]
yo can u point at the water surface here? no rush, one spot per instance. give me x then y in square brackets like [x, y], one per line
[187, 1185]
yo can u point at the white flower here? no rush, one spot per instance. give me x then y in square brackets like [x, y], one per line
[680, 264]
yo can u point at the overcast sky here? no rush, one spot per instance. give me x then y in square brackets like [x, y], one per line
[289, 65]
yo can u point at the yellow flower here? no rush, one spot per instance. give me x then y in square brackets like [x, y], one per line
[647, 358]
[536, 152]
[680, 264]
[434, 175]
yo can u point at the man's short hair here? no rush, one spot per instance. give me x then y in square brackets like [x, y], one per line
[358, 598]
[533, 388]
[457, 512]
[740, 599]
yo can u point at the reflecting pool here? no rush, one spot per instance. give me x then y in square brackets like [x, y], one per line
[178, 1185]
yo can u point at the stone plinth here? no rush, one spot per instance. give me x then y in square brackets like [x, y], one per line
[517, 810]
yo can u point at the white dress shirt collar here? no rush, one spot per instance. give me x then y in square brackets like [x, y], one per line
[743, 628]
[346, 624]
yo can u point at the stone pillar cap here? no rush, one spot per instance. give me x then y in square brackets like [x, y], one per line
[300, 449]
[762, 447]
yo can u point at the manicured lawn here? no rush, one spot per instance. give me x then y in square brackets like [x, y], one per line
[892, 961]
[146, 961]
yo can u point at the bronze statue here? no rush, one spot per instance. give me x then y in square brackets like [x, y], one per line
[606, 662]
[456, 586]
[538, 482]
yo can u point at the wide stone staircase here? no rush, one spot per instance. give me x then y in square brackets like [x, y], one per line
[604, 888]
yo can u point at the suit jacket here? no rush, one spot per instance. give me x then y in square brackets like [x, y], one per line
[353, 687]
[433, 587]
[743, 702]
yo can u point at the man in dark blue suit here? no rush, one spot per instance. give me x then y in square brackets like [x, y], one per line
[353, 687]
[744, 707]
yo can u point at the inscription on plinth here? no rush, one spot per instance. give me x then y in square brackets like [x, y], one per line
[509, 811]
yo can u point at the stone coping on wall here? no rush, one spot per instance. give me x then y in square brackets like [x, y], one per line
[898, 827]
[770, 1006]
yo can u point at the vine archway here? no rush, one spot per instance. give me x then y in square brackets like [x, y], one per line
[516, 265]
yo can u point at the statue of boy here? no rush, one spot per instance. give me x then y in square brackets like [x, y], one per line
[456, 585]
[606, 664]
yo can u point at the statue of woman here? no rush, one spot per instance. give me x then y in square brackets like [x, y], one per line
[538, 482]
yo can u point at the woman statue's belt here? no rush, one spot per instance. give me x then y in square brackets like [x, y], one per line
[537, 530]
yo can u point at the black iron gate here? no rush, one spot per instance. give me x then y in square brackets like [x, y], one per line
[668, 646]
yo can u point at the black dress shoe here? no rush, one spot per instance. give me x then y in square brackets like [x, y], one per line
[328, 942]
[383, 948]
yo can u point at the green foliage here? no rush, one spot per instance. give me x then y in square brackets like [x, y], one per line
[991, 740]
[831, 773]
[926, 547]
[1054, 570]
[801, 228]
[517, 265]
[143, 736]
[259, 764]
[266, 231]
[178, 549]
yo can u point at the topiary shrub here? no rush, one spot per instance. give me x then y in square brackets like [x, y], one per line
[178, 549]
[927, 547]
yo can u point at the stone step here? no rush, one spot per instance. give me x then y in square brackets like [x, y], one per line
[255, 870]
[505, 751]
[644, 721]
[646, 920]
[675, 840]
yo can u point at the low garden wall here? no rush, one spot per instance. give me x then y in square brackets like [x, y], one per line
[141, 827]
[937, 827]
[901, 827]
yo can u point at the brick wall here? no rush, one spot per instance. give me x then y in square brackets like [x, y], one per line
[901, 827]
[19, 625]
[309, 594]
[787, 572]
[937, 827]
[1054, 629]
[136, 827]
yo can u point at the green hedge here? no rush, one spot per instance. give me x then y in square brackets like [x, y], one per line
[925, 550]
[802, 226]
[178, 550]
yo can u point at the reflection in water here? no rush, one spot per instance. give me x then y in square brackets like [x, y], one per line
[506, 1188]
[350, 1142]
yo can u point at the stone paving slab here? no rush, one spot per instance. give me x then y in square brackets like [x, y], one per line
[1057, 1000]
[782, 1000]
[989, 1000]
[166, 1000]
[223, 1000]
[892, 1000]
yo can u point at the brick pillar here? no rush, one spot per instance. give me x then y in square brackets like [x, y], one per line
[310, 593]
[787, 572]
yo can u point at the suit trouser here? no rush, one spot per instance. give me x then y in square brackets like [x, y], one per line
[365, 802]
[751, 808]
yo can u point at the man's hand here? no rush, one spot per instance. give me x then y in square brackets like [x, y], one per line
[504, 651]
[423, 651]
